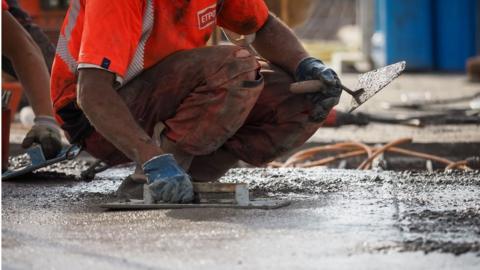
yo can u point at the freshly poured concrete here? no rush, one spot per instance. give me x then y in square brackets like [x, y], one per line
[338, 220]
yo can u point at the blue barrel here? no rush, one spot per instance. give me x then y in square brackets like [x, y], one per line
[407, 31]
[454, 33]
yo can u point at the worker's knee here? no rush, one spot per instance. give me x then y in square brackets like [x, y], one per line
[217, 117]
[236, 67]
[245, 64]
[217, 108]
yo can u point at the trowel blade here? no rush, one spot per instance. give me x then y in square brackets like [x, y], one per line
[38, 161]
[374, 81]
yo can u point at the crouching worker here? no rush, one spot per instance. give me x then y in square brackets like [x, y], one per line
[134, 81]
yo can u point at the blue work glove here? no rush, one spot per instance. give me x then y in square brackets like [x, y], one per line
[314, 69]
[167, 181]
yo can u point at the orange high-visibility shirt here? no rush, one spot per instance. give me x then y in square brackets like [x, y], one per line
[126, 37]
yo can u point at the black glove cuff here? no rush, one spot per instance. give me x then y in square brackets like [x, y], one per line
[304, 68]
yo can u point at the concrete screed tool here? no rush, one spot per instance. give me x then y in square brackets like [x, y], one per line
[207, 195]
[369, 84]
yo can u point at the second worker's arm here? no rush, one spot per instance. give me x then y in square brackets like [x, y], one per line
[28, 62]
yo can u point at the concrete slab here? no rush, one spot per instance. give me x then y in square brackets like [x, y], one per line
[340, 220]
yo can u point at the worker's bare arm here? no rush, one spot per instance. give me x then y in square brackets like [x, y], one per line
[111, 117]
[279, 45]
[28, 62]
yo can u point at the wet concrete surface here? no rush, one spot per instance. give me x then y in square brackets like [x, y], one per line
[339, 219]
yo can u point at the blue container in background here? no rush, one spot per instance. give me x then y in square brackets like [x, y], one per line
[454, 33]
[428, 34]
[406, 29]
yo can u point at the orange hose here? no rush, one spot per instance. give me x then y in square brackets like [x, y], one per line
[356, 149]
[307, 153]
[392, 149]
[275, 164]
[420, 155]
[459, 164]
[366, 163]
[304, 154]
[328, 160]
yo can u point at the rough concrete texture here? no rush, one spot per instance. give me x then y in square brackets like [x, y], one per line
[339, 219]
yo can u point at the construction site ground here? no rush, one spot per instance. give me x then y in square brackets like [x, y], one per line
[338, 219]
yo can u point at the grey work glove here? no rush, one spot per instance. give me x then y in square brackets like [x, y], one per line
[167, 181]
[45, 132]
[323, 101]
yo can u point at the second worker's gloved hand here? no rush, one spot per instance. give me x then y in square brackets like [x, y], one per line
[45, 132]
[167, 181]
[314, 69]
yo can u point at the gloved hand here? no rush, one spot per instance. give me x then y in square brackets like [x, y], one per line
[314, 69]
[167, 181]
[46, 132]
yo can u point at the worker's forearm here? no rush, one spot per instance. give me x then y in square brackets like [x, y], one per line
[279, 45]
[33, 74]
[110, 116]
[28, 63]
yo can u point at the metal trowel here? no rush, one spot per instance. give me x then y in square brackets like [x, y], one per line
[36, 160]
[369, 84]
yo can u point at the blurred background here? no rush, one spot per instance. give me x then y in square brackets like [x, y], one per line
[431, 35]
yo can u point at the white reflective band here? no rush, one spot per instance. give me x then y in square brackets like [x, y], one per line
[64, 53]
[62, 45]
[136, 65]
[72, 17]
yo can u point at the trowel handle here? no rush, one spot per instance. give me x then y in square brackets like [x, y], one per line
[305, 87]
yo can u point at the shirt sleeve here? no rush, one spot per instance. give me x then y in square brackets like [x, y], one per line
[243, 16]
[111, 33]
[4, 5]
